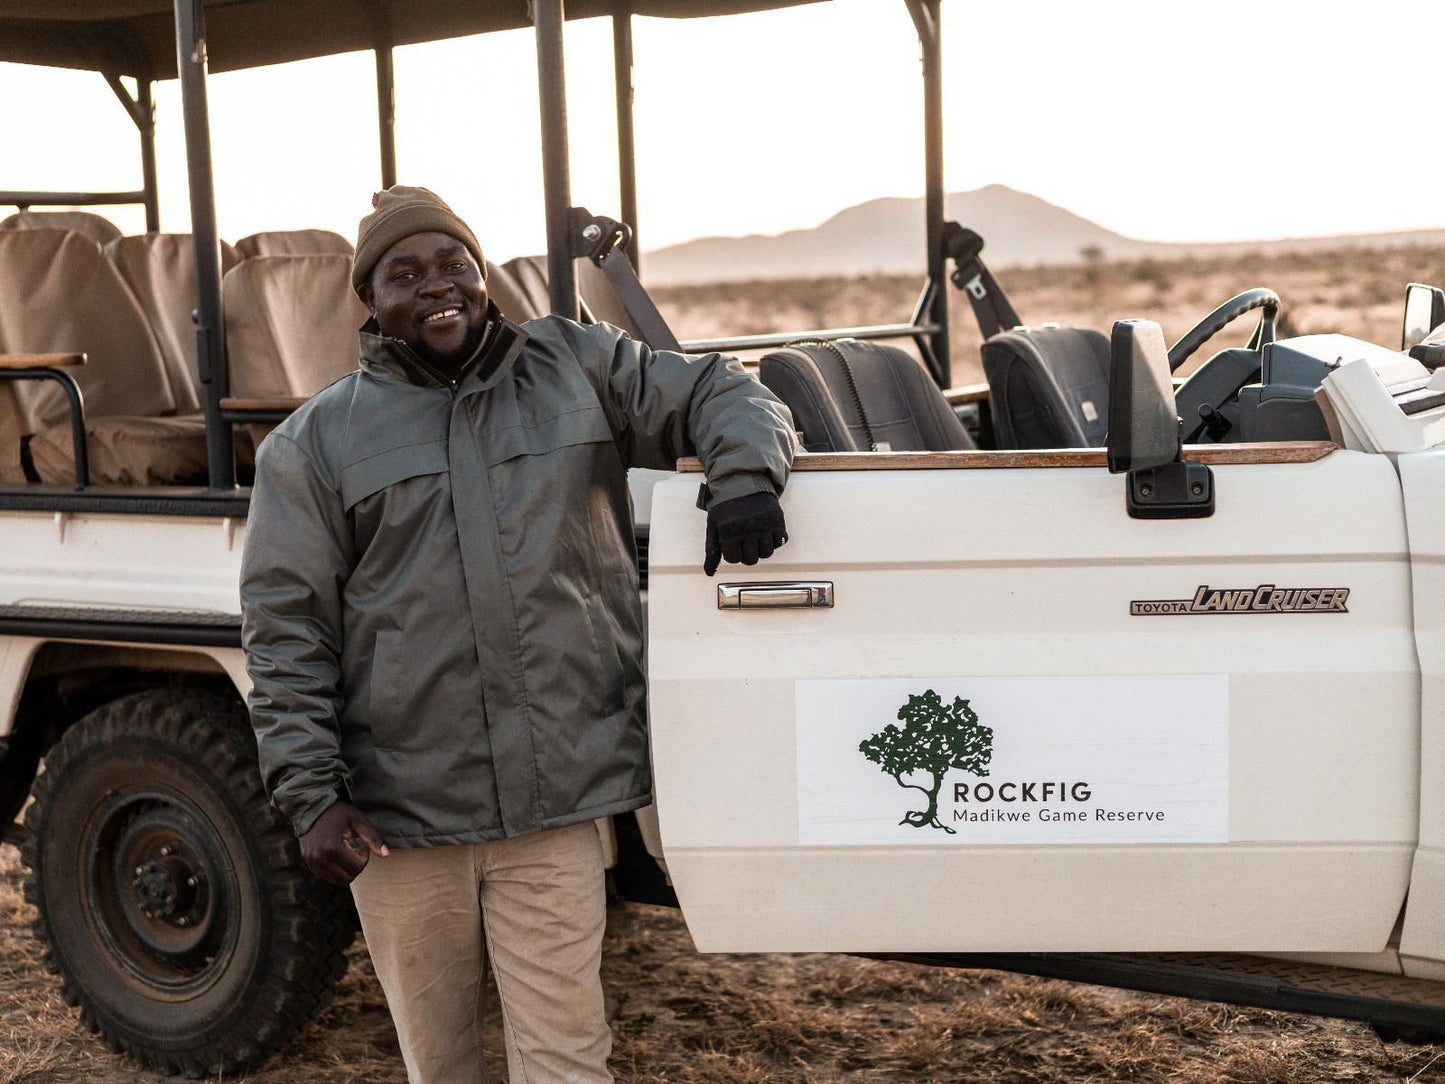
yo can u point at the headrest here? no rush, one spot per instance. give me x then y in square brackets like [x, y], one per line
[160, 269]
[293, 243]
[98, 229]
[291, 324]
[510, 295]
[59, 294]
[530, 275]
[842, 393]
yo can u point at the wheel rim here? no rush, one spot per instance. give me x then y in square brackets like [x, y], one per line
[160, 892]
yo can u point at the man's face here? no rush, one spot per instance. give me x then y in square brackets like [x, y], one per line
[427, 291]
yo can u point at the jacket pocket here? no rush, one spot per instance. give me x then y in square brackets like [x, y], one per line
[609, 673]
[364, 477]
[384, 693]
[585, 424]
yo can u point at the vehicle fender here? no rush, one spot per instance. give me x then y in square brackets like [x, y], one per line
[1422, 941]
[16, 655]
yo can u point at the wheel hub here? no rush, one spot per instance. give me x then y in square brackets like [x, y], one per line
[162, 876]
[168, 887]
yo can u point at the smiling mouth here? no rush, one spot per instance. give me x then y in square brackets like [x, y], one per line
[443, 314]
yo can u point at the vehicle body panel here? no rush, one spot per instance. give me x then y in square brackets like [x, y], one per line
[129, 562]
[1422, 478]
[1028, 573]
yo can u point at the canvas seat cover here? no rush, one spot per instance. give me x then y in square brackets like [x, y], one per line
[515, 300]
[291, 324]
[160, 269]
[127, 451]
[905, 411]
[59, 294]
[294, 243]
[100, 230]
[529, 275]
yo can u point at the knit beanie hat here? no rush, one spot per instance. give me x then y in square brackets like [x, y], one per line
[401, 212]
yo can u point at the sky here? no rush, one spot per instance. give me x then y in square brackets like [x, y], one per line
[1171, 120]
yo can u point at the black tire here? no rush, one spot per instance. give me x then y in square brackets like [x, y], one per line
[172, 899]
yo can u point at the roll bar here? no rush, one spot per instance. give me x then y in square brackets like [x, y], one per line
[140, 107]
[927, 327]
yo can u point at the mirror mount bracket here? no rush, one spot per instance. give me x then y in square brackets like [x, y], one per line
[1178, 490]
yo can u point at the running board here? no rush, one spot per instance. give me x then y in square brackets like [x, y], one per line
[1385, 1000]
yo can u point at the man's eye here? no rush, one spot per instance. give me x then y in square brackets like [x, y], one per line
[403, 276]
[457, 265]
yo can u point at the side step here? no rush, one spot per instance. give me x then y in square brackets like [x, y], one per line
[1387, 1001]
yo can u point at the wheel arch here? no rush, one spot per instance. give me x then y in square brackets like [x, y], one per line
[46, 685]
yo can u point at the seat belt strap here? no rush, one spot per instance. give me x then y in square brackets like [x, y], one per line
[636, 300]
[990, 307]
[604, 241]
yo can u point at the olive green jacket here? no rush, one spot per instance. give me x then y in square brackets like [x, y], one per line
[439, 588]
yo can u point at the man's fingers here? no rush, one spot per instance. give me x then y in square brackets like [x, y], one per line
[780, 539]
[711, 552]
[749, 550]
[765, 547]
[366, 832]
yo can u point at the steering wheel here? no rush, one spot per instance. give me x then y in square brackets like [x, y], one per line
[1203, 399]
[1235, 307]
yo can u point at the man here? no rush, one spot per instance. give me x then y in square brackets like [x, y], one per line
[444, 635]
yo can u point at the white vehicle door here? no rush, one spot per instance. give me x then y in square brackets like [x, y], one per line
[1029, 722]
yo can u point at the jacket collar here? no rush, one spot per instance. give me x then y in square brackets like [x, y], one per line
[392, 359]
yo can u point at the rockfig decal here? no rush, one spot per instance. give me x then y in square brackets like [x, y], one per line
[934, 738]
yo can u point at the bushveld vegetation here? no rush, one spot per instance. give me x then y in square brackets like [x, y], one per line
[1355, 291]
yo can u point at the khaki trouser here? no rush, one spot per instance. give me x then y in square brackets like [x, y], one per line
[536, 906]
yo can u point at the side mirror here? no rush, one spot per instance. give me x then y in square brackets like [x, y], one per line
[1424, 312]
[1145, 438]
[1144, 427]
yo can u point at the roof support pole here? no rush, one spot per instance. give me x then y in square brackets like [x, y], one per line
[626, 146]
[925, 20]
[210, 327]
[386, 113]
[147, 110]
[556, 179]
[142, 111]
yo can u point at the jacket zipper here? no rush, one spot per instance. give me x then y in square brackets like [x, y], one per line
[411, 354]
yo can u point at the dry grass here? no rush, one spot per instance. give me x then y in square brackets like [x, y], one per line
[682, 1018]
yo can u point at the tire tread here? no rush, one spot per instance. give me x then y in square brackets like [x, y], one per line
[313, 922]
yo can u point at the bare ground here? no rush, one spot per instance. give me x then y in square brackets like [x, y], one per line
[683, 1018]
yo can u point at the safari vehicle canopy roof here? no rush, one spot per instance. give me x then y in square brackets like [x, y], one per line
[138, 37]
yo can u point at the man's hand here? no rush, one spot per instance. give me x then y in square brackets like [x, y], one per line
[340, 844]
[743, 530]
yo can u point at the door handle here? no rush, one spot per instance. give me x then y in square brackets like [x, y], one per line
[812, 594]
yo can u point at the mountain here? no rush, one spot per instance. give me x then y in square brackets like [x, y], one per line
[886, 235]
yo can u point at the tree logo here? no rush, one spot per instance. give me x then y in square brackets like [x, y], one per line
[934, 738]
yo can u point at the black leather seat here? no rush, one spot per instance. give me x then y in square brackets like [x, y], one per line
[1048, 387]
[852, 396]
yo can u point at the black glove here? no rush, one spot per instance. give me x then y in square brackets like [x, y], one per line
[744, 529]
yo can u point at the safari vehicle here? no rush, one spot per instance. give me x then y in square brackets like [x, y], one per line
[1147, 714]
